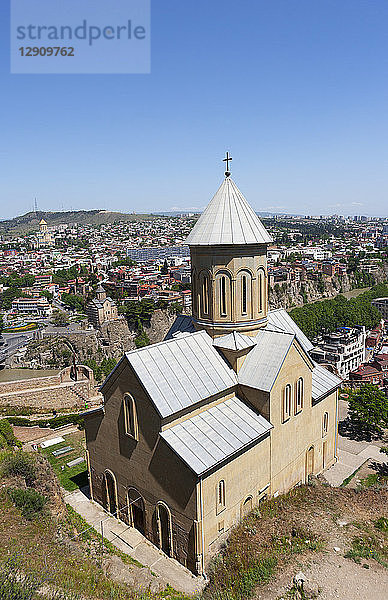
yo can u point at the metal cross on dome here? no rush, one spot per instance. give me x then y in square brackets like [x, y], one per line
[227, 160]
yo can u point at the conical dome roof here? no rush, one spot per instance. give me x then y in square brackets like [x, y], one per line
[228, 219]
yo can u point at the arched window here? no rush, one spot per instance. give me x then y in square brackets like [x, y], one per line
[130, 417]
[299, 395]
[223, 296]
[244, 295]
[205, 295]
[220, 496]
[287, 402]
[260, 283]
[325, 423]
[247, 506]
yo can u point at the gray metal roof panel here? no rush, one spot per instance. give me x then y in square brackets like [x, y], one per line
[234, 341]
[279, 319]
[228, 219]
[263, 363]
[210, 437]
[182, 371]
[182, 324]
[323, 382]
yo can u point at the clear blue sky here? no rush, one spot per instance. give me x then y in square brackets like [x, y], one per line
[295, 89]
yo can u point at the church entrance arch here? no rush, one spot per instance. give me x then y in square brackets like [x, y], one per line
[136, 510]
[309, 462]
[110, 485]
[164, 520]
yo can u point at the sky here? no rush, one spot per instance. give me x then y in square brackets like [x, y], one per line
[295, 90]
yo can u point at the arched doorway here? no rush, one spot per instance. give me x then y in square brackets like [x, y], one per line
[136, 510]
[110, 492]
[309, 462]
[247, 506]
[164, 520]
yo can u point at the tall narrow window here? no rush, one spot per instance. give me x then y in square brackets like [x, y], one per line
[223, 296]
[130, 417]
[325, 424]
[299, 395]
[220, 496]
[244, 295]
[260, 284]
[287, 402]
[205, 293]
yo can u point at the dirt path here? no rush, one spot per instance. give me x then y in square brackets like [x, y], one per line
[334, 576]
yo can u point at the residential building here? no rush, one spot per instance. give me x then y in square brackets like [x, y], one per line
[343, 350]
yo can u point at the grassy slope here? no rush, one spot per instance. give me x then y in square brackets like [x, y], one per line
[30, 221]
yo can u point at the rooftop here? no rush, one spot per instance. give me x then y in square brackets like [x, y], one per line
[228, 219]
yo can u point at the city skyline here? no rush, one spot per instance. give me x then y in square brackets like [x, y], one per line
[296, 94]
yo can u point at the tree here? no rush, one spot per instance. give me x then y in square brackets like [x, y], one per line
[164, 269]
[47, 294]
[368, 409]
[73, 301]
[59, 319]
[1, 324]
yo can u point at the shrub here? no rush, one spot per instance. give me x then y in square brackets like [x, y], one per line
[19, 464]
[7, 434]
[30, 502]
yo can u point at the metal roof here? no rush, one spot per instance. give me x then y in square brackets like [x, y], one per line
[208, 438]
[234, 341]
[182, 371]
[228, 219]
[280, 320]
[263, 363]
[182, 324]
[323, 382]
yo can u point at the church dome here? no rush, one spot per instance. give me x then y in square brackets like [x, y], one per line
[228, 219]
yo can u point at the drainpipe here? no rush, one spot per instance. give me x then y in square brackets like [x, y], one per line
[336, 425]
[202, 529]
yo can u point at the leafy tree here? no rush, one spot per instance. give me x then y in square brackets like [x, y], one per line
[47, 294]
[368, 409]
[73, 301]
[59, 319]
[139, 313]
[176, 307]
[142, 339]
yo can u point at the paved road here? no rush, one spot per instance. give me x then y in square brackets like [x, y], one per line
[351, 454]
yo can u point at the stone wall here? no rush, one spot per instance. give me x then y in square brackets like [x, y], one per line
[55, 392]
[64, 396]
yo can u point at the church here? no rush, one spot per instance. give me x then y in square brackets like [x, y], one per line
[229, 410]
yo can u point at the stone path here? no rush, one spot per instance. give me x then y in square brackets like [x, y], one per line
[351, 454]
[132, 542]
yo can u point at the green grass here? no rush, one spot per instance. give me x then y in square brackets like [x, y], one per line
[71, 478]
[372, 543]
[349, 479]
[373, 480]
[74, 522]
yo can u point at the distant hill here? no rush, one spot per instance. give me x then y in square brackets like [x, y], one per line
[30, 221]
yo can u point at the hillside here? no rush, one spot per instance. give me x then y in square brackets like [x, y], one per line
[29, 221]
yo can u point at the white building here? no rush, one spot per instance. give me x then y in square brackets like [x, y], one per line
[32, 306]
[344, 350]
